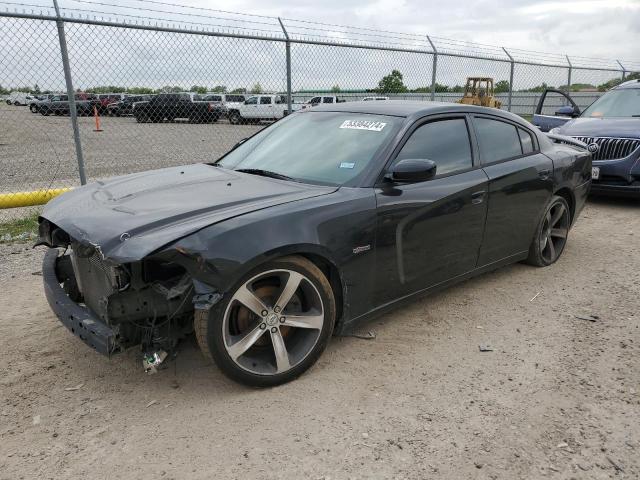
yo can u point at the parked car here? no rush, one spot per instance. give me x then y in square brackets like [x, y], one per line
[170, 106]
[19, 99]
[610, 127]
[34, 105]
[59, 105]
[370, 99]
[105, 99]
[260, 107]
[125, 106]
[315, 101]
[269, 251]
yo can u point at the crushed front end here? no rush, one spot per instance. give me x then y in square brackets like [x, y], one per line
[110, 306]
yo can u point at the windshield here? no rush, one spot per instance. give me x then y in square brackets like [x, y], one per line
[317, 147]
[616, 103]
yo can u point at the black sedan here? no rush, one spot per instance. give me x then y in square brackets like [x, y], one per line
[325, 218]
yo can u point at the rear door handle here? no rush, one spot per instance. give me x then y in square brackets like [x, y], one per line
[478, 197]
[544, 174]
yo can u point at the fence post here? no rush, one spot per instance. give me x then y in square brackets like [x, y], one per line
[73, 113]
[510, 78]
[569, 77]
[624, 70]
[288, 55]
[434, 69]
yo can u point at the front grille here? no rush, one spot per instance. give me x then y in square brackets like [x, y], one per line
[611, 148]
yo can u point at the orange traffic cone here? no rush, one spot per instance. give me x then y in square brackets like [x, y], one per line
[97, 117]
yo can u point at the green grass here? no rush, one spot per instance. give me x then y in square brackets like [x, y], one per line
[18, 227]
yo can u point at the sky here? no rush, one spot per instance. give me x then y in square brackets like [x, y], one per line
[590, 28]
[608, 29]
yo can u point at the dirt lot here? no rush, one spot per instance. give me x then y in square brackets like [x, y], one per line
[559, 397]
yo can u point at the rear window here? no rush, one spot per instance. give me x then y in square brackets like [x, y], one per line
[497, 140]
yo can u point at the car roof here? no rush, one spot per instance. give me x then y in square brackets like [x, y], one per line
[629, 84]
[409, 108]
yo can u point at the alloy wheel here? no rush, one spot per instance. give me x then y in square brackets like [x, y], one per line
[553, 235]
[273, 321]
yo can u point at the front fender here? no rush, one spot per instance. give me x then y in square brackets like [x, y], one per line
[331, 227]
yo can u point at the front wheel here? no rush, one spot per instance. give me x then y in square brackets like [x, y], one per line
[551, 235]
[33, 109]
[235, 118]
[272, 325]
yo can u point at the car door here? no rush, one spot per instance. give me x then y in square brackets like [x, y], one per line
[555, 108]
[250, 109]
[265, 108]
[520, 185]
[431, 231]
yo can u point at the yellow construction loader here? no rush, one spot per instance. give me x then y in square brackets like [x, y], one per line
[479, 91]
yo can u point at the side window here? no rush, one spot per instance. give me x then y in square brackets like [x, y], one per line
[526, 140]
[327, 100]
[314, 100]
[252, 101]
[265, 100]
[497, 140]
[446, 142]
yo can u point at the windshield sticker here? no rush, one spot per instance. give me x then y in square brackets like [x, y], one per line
[363, 125]
[347, 165]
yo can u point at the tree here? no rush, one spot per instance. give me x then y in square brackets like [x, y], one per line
[501, 86]
[335, 88]
[257, 88]
[198, 89]
[36, 89]
[239, 90]
[4, 91]
[392, 83]
[603, 87]
[219, 89]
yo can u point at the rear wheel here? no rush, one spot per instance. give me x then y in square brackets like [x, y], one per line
[33, 108]
[551, 234]
[235, 118]
[272, 325]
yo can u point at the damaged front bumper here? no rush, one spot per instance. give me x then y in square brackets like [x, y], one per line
[79, 320]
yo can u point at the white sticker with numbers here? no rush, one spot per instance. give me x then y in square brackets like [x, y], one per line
[363, 125]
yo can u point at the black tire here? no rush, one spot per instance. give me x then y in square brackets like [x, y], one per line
[208, 326]
[33, 108]
[235, 118]
[17, 104]
[142, 118]
[8, 102]
[546, 248]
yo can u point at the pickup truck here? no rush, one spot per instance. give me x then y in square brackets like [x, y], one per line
[321, 99]
[169, 106]
[259, 107]
[59, 104]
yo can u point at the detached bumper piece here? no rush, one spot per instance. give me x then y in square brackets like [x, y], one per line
[79, 320]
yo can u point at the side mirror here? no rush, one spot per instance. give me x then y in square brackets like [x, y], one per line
[568, 111]
[412, 170]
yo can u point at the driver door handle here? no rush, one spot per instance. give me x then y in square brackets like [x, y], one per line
[478, 197]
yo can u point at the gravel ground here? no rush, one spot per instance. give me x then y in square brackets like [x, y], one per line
[38, 151]
[559, 397]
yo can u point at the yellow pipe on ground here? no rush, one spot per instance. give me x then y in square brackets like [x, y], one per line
[28, 199]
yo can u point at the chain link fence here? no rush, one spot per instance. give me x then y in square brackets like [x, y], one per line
[107, 90]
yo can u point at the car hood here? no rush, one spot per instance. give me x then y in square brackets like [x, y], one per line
[602, 127]
[127, 218]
